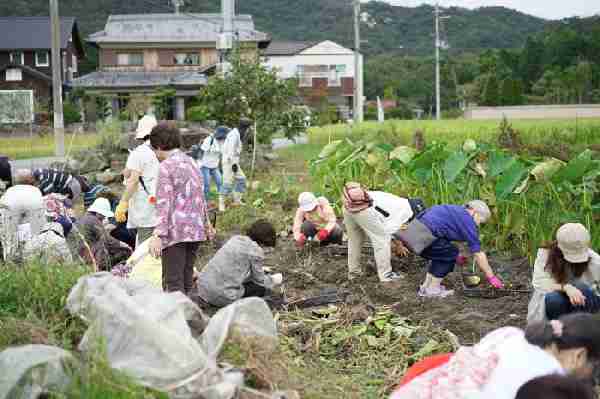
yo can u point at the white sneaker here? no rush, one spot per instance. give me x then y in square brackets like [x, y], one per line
[440, 292]
[391, 276]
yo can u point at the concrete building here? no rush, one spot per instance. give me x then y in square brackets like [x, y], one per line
[325, 71]
[140, 54]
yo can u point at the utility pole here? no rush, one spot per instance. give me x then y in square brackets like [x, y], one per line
[57, 67]
[177, 4]
[358, 92]
[438, 44]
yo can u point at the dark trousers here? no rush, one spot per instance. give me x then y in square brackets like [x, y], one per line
[442, 254]
[558, 303]
[309, 229]
[178, 266]
[252, 289]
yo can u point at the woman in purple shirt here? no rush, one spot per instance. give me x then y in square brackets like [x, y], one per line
[183, 221]
[450, 223]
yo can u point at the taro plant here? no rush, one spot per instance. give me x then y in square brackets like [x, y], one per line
[530, 196]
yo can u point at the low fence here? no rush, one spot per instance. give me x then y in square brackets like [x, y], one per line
[535, 112]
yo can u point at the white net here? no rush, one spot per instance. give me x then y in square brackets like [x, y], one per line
[16, 106]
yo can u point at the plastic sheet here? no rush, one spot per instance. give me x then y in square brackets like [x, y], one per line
[29, 371]
[147, 335]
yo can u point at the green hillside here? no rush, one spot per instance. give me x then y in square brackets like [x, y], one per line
[388, 27]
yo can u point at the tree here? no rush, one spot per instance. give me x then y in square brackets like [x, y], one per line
[252, 91]
[491, 94]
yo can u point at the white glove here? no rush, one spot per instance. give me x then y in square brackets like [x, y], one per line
[277, 279]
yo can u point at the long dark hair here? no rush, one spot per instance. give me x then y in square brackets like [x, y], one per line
[559, 267]
[556, 386]
[579, 330]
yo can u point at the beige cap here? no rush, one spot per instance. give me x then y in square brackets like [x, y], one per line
[574, 241]
[481, 208]
[145, 126]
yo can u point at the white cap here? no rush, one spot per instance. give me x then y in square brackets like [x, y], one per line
[573, 239]
[277, 279]
[101, 206]
[307, 201]
[145, 126]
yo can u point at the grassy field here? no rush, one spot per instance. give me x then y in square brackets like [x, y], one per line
[36, 146]
[455, 132]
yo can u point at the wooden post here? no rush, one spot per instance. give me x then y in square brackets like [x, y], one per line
[59, 125]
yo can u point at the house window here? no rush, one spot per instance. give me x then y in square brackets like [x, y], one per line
[14, 75]
[42, 59]
[335, 74]
[74, 63]
[18, 58]
[306, 73]
[186, 59]
[130, 59]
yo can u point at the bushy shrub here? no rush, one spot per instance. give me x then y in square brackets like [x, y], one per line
[198, 113]
[71, 113]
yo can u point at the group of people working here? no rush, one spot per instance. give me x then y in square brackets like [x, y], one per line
[165, 203]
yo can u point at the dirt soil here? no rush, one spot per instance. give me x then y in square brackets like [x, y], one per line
[313, 270]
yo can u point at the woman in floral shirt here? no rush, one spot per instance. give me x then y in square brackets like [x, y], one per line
[182, 214]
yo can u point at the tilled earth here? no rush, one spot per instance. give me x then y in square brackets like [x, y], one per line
[469, 314]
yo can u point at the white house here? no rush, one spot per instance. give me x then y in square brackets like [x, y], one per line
[325, 71]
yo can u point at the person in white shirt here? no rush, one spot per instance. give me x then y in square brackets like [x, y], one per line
[137, 205]
[565, 276]
[212, 148]
[376, 215]
[232, 171]
[22, 216]
[507, 358]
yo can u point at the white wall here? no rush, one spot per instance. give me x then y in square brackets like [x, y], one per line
[325, 53]
[535, 112]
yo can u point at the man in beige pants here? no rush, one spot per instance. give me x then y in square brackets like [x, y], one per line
[375, 215]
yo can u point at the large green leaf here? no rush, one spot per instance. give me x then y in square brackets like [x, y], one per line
[329, 149]
[454, 165]
[510, 179]
[575, 169]
[403, 153]
[422, 165]
[499, 162]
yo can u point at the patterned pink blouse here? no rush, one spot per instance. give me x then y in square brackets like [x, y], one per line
[182, 211]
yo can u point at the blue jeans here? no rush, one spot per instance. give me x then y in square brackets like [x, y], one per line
[442, 254]
[558, 303]
[216, 175]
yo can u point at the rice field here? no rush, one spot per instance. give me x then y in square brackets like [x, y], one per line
[454, 132]
[43, 146]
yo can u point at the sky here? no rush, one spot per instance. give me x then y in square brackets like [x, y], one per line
[549, 9]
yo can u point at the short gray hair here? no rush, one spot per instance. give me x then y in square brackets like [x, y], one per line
[481, 208]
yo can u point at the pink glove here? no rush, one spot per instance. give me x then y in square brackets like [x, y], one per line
[323, 234]
[495, 282]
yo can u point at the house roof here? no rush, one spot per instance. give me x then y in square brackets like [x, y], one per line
[174, 28]
[287, 48]
[139, 79]
[33, 33]
[28, 70]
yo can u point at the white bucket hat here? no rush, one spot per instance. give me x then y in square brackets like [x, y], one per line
[145, 126]
[307, 201]
[101, 206]
[574, 241]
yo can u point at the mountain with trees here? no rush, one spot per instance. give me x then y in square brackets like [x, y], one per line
[387, 28]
